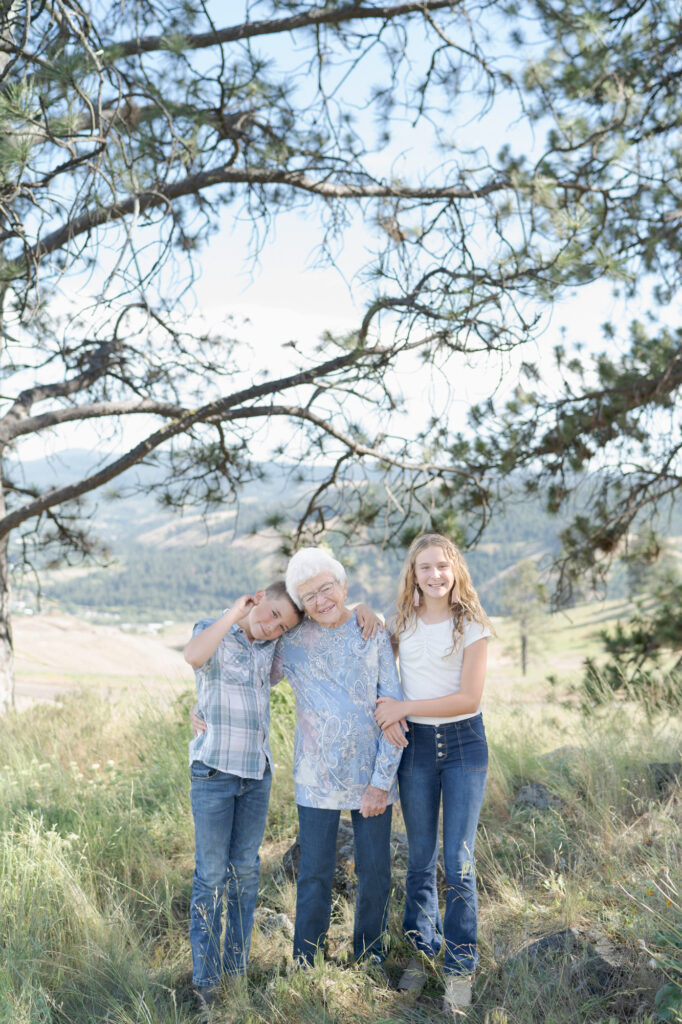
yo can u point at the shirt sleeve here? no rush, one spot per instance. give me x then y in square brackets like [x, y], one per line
[474, 631]
[213, 661]
[388, 756]
[389, 618]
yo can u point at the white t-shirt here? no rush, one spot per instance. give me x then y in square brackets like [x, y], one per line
[430, 668]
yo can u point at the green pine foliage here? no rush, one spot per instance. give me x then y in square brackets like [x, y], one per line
[643, 655]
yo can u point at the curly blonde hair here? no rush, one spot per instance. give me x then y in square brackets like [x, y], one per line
[463, 597]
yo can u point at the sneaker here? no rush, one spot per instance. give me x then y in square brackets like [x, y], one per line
[413, 977]
[206, 997]
[457, 993]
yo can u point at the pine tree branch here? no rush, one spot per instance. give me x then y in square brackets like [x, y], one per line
[164, 194]
[249, 30]
[211, 412]
[95, 410]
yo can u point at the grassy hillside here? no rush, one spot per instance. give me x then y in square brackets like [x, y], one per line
[96, 864]
[55, 654]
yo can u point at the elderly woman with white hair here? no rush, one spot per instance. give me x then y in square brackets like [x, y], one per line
[341, 759]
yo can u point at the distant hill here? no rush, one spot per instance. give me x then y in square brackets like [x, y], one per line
[128, 507]
[168, 565]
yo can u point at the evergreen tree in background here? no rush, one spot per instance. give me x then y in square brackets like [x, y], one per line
[525, 600]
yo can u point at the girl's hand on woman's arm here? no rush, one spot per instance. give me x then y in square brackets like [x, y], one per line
[395, 735]
[389, 711]
[465, 702]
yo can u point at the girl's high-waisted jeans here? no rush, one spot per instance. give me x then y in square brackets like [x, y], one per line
[448, 761]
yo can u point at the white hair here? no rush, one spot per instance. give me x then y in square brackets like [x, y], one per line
[309, 562]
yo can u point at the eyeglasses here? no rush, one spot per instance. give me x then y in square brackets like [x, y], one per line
[325, 591]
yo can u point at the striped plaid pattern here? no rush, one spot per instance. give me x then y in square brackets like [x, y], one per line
[233, 697]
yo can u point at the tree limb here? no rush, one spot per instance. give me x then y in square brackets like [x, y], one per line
[96, 410]
[249, 30]
[210, 412]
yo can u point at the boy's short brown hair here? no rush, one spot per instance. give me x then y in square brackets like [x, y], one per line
[277, 590]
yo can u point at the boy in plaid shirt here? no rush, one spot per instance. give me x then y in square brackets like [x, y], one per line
[231, 773]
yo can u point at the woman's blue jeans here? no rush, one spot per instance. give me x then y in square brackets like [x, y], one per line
[446, 762]
[229, 822]
[318, 828]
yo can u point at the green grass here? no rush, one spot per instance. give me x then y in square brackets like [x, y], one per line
[96, 858]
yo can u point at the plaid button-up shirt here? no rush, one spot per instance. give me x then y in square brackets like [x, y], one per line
[233, 698]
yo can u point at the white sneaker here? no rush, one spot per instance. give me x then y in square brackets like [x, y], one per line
[457, 993]
[413, 977]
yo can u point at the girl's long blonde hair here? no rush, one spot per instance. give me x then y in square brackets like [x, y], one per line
[463, 597]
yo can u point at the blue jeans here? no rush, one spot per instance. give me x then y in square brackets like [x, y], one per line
[448, 761]
[318, 827]
[229, 822]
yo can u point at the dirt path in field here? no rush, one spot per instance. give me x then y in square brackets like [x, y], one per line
[55, 653]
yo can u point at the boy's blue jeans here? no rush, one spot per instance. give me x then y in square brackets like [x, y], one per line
[447, 762]
[229, 822]
[318, 828]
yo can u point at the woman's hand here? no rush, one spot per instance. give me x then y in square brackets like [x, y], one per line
[368, 621]
[198, 724]
[373, 802]
[389, 711]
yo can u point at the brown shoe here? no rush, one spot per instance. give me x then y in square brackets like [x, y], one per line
[413, 977]
[206, 996]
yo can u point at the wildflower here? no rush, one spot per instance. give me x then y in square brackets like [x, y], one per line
[95, 766]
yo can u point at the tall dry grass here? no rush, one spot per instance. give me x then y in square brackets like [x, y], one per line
[96, 857]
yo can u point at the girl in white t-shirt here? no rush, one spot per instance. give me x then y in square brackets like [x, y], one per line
[441, 635]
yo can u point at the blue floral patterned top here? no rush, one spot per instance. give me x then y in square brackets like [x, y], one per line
[339, 749]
